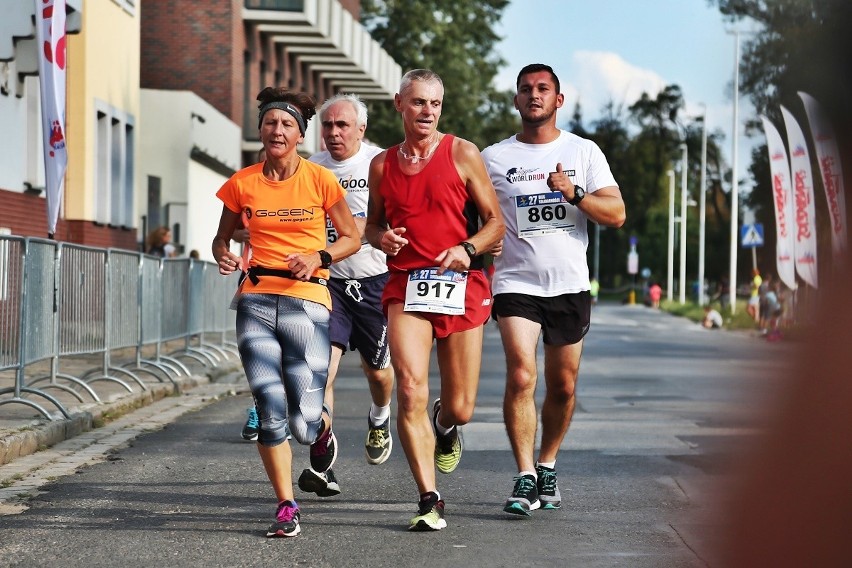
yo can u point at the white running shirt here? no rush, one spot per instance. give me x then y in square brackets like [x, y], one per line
[544, 250]
[352, 174]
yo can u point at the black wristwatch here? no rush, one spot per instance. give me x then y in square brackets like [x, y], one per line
[325, 258]
[469, 249]
[579, 194]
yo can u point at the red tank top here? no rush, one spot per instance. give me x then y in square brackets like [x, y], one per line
[433, 205]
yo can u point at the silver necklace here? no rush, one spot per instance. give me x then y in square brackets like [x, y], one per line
[413, 158]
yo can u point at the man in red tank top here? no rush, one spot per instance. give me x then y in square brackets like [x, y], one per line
[433, 212]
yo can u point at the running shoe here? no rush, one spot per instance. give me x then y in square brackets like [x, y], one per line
[524, 499]
[379, 442]
[286, 520]
[324, 451]
[252, 427]
[448, 448]
[548, 491]
[430, 514]
[323, 484]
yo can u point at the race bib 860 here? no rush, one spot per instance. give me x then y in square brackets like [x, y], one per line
[542, 214]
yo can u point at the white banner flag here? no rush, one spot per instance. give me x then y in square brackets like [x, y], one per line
[828, 156]
[50, 35]
[803, 197]
[782, 193]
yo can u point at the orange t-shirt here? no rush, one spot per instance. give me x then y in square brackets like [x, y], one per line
[284, 217]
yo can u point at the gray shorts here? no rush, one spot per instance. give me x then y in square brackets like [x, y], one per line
[283, 343]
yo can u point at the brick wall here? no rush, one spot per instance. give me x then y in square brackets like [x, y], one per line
[192, 46]
[200, 47]
[26, 216]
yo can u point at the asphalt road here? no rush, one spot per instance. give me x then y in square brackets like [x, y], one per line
[665, 409]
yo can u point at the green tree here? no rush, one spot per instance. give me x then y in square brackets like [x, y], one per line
[609, 132]
[639, 160]
[456, 39]
[803, 45]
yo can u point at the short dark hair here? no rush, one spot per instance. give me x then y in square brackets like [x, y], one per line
[535, 68]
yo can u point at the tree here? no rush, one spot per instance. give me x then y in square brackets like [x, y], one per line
[804, 45]
[639, 162]
[456, 40]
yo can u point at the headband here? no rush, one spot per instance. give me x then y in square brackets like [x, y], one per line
[286, 107]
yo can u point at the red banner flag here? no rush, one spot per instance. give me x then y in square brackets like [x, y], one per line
[828, 156]
[782, 197]
[50, 35]
[803, 199]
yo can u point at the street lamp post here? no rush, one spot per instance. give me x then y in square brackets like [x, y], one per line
[683, 169]
[670, 285]
[732, 280]
[702, 211]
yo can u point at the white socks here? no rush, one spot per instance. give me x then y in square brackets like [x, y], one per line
[378, 414]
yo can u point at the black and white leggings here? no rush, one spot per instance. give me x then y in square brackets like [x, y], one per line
[285, 349]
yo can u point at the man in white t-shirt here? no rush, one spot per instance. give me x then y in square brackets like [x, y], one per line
[549, 183]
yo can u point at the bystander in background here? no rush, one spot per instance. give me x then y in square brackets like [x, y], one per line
[655, 292]
[712, 318]
[159, 243]
[594, 290]
[753, 307]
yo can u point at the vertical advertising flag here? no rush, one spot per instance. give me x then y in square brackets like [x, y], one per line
[50, 35]
[803, 198]
[828, 156]
[782, 198]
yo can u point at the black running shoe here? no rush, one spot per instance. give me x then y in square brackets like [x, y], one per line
[548, 490]
[448, 448]
[324, 451]
[323, 484]
[286, 520]
[430, 514]
[379, 442]
[524, 499]
[252, 427]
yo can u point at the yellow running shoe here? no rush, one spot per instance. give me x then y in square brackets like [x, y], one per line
[430, 514]
[448, 448]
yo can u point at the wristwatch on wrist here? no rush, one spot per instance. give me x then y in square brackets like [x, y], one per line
[579, 194]
[469, 249]
[325, 258]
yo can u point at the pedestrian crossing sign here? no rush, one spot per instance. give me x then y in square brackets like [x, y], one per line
[752, 235]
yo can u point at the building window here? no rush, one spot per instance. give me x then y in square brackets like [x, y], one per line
[283, 5]
[114, 166]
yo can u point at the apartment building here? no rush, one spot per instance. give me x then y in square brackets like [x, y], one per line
[161, 107]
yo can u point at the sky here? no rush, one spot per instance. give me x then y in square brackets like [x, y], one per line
[604, 50]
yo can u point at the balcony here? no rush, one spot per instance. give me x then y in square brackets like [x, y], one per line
[328, 42]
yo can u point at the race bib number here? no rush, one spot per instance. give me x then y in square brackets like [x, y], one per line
[427, 291]
[331, 232]
[542, 214]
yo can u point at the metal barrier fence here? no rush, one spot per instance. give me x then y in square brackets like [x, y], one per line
[61, 301]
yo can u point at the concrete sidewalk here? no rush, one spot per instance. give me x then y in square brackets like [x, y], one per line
[24, 431]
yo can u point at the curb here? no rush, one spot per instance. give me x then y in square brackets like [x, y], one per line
[36, 435]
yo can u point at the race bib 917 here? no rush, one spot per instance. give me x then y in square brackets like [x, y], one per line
[428, 291]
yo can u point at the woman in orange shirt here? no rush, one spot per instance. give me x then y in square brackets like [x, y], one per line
[283, 303]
